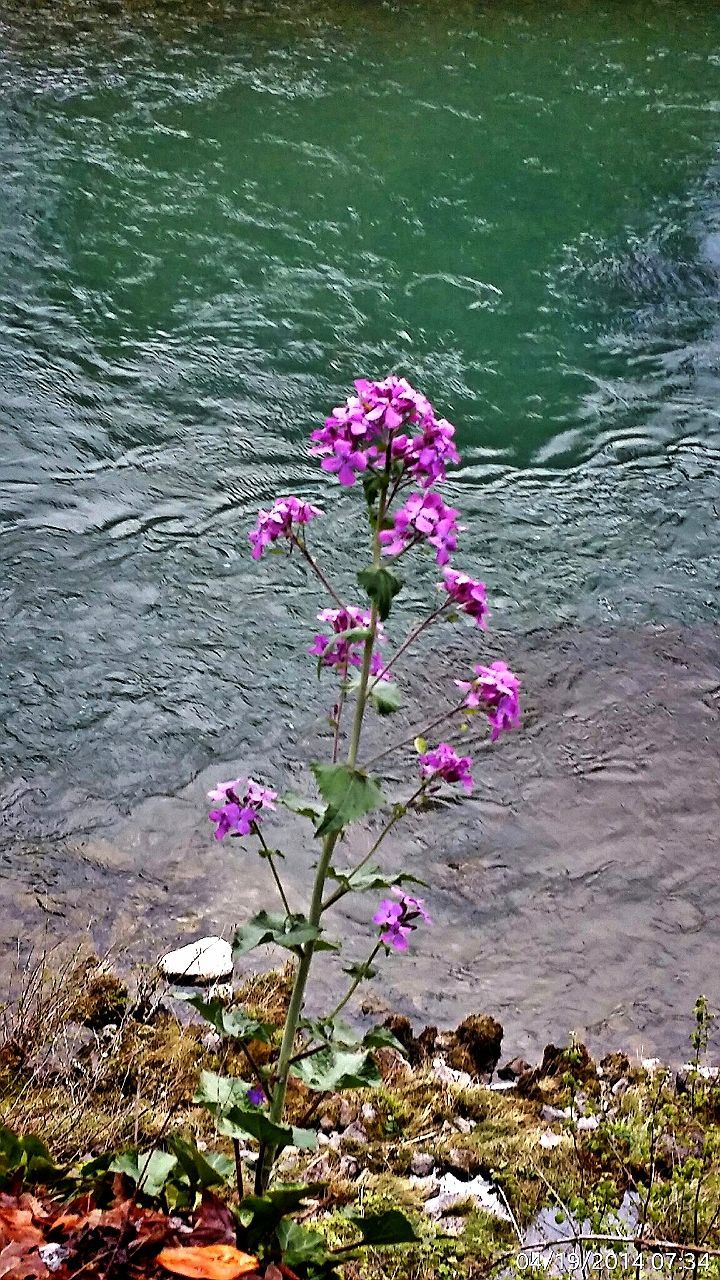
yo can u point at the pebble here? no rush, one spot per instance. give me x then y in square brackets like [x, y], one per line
[355, 1133]
[204, 961]
[422, 1164]
[448, 1075]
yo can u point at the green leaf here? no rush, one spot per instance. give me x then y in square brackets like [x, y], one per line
[263, 1213]
[211, 1172]
[362, 970]
[382, 586]
[382, 1038]
[385, 697]
[231, 1022]
[306, 808]
[285, 931]
[257, 1125]
[149, 1170]
[420, 746]
[220, 1093]
[349, 793]
[390, 1227]
[371, 878]
[300, 1244]
[333, 1069]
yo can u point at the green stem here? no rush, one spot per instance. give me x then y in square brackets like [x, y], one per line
[399, 813]
[300, 544]
[415, 733]
[273, 868]
[353, 985]
[292, 1019]
[408, 641]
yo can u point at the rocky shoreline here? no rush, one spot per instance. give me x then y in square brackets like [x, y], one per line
[494, 1159]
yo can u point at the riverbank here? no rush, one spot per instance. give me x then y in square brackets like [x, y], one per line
[492, 1161]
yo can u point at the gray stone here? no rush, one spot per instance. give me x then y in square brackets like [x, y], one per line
[422, 1164]
[355, 1133]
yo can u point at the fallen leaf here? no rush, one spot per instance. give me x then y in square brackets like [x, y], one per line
[17, 1264]
[17, 1225]
[214, 1224]
[208, 1262]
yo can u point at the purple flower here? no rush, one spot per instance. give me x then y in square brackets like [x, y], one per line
[397, 920]
[469, 594]
[444, 764]
[356, 435]
[423, 518]
[243, 802]
[426, 455]
[232, 819]
[496, 691]
[343, 652]
[278, 522]
[256, 1096]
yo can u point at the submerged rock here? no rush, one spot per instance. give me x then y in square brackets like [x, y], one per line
[207, 960]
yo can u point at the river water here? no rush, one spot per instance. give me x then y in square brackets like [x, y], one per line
[211, 219]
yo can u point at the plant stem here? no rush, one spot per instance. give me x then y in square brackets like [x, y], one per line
[408, 641]
[415, 733]
[294, 1010]
[273, 868]
[399, 813]
[297, 996]
[300, 544]
[353, 985]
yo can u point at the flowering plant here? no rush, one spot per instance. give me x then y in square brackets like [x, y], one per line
[387, 436]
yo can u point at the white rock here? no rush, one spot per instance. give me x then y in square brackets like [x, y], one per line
[588, 1122]
[452, 1191]
[206, 960]
[448, 1075]
[550, 1140]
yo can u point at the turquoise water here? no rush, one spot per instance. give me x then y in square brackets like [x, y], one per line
[211, 220]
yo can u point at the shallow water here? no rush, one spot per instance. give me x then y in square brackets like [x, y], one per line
[211, 219]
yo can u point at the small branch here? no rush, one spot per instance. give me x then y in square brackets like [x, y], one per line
[400, 813]
[414, 733]
[269, 858]
[353, 985]
[238, 1168]
[408, 641]
[302, 548]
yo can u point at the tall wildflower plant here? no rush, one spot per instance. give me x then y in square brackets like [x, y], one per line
[388, 443]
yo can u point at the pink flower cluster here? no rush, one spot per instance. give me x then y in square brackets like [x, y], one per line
[356, 435]
[423, 518]
[278, 522]
[398, 919]
[443, 764]
[243, 803]
[496, 691]
[344, 652]
[469, 594]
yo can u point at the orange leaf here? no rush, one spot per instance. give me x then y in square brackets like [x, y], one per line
[208, 1262]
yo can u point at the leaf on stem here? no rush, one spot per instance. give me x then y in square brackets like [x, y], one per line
[285, 931]
[332, 1069]
[349, 794]
[371, 878]
[231, 1022]
[306, 808]
[300, 1244]
[382, 586]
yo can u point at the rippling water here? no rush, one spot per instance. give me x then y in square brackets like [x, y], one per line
[211, 219]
